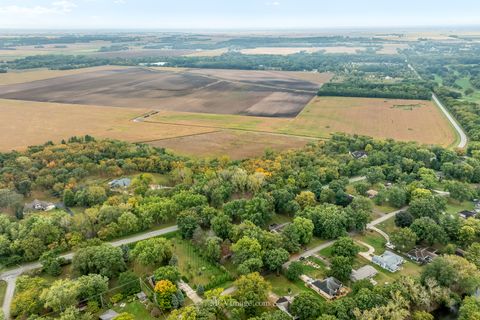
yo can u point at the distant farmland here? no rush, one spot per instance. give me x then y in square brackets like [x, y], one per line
[200, 111]
[257, 93]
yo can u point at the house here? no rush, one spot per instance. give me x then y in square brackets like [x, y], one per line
[329, 288]
[120, 183]
[37, 205]
[372, 193]
[108, 315]
[422, 255]
[360, 154]
[465, 214]
[365, 272]
[283, 304]
[389, 261]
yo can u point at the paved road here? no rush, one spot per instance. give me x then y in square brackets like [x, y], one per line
[10, 276]
[458, 128]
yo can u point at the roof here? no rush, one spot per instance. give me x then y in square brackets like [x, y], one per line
[364, 272]
[358, 154]
[467, 213]
[123, 182]
[329, 285]
[390, 259]
[422, 254]
[108, 315]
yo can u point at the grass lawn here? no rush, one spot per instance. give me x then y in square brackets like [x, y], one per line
[193, 266]
[135, 308]
[3, 288]
[454, 206]
[388, 226]
[315, 242]
[280, 218]
[282, 286]
[374, 239]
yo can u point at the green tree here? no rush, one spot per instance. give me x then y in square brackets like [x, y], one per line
[103, 259]
[187, 222]
[306, 199]
[62, 294]
[91, 286]
[341, 268]
[304, 228]
[397, 196]
[404, 239]
[473, 254]
[274, 259]
[470, 309]
[346, 247]
[153, 251]
[51, 263]
[170, 273]
[428, 230]
[68, 198]
[306, 306]
[294, 271]
[422, 315]
[252, 290]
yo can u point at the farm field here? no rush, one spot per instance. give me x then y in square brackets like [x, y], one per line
[24, 124]
[293, 50]
[203, 91]
[235, 144]
[407, 120]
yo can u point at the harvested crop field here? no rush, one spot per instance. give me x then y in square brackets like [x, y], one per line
[235, 144]
[406, 120]
[26, 123]
[256, 93]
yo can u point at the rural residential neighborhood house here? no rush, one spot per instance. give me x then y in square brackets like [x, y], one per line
[365, 272]
[465, 214]
[330, 288]
[422, 255]
[389, 261]
[37, 205]
[360, 154]
[120, 183]
[283, 304]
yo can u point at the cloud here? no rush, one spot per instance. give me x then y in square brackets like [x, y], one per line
[119, 1]
[57, 7]
[273, 3]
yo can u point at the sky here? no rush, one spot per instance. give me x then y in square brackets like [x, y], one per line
[234, 14]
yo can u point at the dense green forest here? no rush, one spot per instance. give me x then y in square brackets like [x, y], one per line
[359, 88]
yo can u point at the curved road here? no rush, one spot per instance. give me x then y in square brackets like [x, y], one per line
[11, 276]
[458, 128]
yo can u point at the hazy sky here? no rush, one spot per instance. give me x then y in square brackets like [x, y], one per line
[235, 14]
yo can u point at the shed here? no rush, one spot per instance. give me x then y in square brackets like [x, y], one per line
[108, 315]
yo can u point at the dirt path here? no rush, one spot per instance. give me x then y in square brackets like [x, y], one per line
[191, 294]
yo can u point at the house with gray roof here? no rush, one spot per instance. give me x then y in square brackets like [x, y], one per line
[329, 287]
[120, 183]
[389, 261]
[365, 272]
